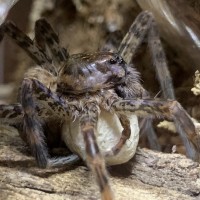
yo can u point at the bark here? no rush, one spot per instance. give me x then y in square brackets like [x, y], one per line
[150, 175]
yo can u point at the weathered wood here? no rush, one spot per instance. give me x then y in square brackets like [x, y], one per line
[150, 175]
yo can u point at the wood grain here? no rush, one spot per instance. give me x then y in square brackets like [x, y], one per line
[150, 175]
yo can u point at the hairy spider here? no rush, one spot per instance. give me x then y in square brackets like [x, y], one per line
[73, 92]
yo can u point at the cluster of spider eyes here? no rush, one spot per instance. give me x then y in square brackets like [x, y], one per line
[117, 59]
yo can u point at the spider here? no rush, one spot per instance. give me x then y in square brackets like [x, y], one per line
[69, 94]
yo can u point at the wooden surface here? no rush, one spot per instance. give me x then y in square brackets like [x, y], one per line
[150, 175]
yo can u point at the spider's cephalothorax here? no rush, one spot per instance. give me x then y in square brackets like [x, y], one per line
[84, 73]
[73, 93]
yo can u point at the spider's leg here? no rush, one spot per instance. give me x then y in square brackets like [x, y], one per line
[95, 160]
[127, 50]
[34, 90]
[169, 109]
[24, 42]
[11, 114]
[145, 25]
[48, 40]
[124, 137]
[135, 36]
[160, 61]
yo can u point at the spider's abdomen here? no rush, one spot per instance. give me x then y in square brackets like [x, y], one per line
[91, 72]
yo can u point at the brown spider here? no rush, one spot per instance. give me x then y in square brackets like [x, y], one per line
[64, 89]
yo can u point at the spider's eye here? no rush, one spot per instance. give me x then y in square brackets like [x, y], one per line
[121, 61]
[112, 61]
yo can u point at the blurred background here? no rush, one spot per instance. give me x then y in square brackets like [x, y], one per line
[85, 25]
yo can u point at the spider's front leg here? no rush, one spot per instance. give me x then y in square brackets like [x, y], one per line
[44, 49]
[48, 41]
[24, 42]
[34, 91]
[169, 109]
[95, 160]
[144, 27]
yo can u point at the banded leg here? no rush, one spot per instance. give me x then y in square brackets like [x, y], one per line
[169, 109]
[124, 137]
[48, 40]
[95, 160]
[24, 42]
[11, 114]
[33, 128]
[143, 26]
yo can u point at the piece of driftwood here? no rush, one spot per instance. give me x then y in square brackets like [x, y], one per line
[150, 175]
